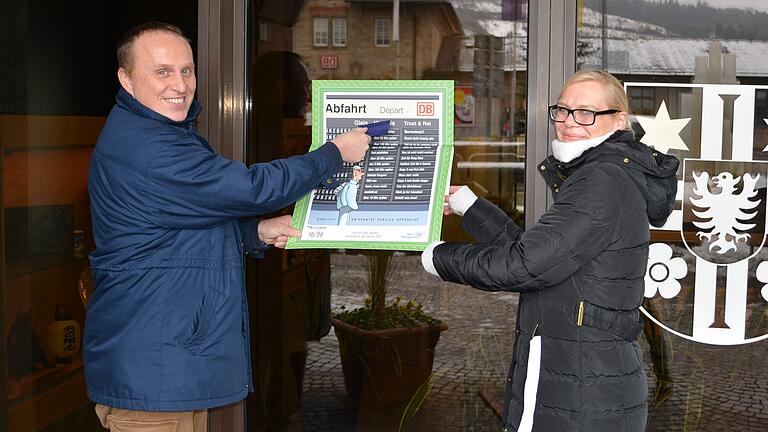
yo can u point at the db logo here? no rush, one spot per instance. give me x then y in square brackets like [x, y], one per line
[425, 108]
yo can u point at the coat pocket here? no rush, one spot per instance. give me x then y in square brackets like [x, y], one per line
[121, 425]
[204, 320]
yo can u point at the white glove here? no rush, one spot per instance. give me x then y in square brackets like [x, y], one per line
[462, 200]
[426, 257]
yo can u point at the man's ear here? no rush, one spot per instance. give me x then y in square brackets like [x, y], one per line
[125, 80]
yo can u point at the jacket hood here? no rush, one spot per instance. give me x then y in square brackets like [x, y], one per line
[127, 101]
[654, 173]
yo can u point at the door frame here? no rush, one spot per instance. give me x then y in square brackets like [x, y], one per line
[221, 92]
[221, 74]
[551, 60]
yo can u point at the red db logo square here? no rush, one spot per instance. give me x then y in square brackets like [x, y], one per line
[425, 108]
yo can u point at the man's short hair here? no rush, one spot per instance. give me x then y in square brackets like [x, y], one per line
[125, 45]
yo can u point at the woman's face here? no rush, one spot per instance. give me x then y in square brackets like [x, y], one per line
[590, 95]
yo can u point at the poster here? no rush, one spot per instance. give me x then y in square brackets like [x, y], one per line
[464, 106]
[393, 198]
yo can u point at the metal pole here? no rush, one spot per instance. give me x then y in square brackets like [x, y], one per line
[489, 97]
[513, 83]
[604, 26]
[396, 35]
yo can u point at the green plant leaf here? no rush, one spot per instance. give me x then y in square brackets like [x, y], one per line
[373, 380]
[398, 362]
[376, 314]
[415, 403]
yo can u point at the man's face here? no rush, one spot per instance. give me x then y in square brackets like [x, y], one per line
[162, 75]
[357, 174]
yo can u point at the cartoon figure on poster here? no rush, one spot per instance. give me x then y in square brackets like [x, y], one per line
[346, 195]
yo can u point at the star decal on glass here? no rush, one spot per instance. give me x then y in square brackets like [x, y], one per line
[766, 147]
[661, 132]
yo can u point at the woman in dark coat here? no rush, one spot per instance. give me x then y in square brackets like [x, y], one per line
[576, 364]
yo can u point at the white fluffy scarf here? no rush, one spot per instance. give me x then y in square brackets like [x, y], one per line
[566, 151]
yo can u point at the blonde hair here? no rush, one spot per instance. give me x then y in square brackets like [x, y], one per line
[615, 94]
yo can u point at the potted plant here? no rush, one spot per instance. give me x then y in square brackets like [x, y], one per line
[386, 351]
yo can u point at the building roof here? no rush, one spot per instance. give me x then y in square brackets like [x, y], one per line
[401, 1]
[676, 56]
[449, 12]
[634, 47]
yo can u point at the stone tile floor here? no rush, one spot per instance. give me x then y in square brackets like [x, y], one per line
[715, 388]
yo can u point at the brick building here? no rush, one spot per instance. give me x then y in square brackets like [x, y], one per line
[355, 39]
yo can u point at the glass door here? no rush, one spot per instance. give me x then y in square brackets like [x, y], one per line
[482, 47]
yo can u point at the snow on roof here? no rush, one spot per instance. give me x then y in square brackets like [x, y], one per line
[634, 47]
[675, 56]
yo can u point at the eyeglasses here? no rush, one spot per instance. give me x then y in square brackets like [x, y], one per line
[583, 117]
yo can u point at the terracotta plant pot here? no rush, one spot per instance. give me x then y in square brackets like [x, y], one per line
[386, 367]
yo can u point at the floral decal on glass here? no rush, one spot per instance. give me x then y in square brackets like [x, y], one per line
[664, 272]
[762, 276]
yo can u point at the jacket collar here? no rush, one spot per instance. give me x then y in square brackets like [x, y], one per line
[621, 149]
[618, 145]
[128, 102]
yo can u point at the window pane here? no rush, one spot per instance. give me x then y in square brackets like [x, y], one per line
[463, 41]
[339, 32]
[697, 79]
[58, 85]
[321, 31]
[383, 32]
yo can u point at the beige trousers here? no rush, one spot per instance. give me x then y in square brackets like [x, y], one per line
[122, 420]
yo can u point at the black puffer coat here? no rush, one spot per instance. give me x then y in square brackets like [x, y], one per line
[580, 272]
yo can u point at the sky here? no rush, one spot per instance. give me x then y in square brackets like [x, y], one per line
[760, 5]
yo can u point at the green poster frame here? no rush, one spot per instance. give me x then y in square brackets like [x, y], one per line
[445, 89]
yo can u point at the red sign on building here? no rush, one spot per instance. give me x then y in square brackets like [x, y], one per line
[329, 62]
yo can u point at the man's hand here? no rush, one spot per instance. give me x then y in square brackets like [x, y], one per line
[275, 231]
[353, 144]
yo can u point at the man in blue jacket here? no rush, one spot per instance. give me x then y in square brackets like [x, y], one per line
[166, 334]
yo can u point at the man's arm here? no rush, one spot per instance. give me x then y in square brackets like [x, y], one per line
[190, 186]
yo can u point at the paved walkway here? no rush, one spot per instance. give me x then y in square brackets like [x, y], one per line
[716, 388]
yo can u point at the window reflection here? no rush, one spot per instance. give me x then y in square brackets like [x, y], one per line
[483, 52]
[58, 85]
[482, 48]
[697, 91]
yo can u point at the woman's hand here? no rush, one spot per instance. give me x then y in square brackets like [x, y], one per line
[458, 200]
[447, 206]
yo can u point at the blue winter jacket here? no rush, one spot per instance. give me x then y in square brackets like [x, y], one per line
[167, 325]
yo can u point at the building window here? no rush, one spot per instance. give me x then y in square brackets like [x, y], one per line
[383, 32]
[642, 100]
[761, 108]
[339, 32]
[321, 31]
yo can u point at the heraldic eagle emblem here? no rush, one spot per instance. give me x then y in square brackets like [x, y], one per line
[725, 212]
